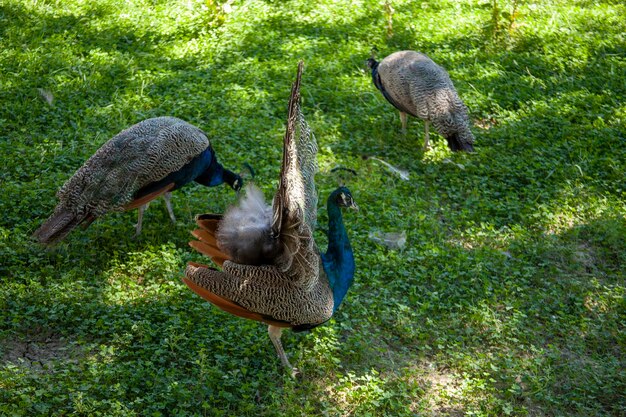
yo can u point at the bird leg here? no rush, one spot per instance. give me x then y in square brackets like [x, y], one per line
[403, 121]
[275, 333]
[142, 208]
[167, 197]
[426, 136]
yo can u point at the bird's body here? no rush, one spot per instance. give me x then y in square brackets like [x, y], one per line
[147, 160]
[266, 291]
[272, 270]
[417, 86]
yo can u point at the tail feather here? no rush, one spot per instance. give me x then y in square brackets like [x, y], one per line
[207, 242]
[206, 236]
[62, 222]
[211, 251]
[208, 224]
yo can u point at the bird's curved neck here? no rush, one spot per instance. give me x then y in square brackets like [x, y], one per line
[215, 173]
[376, 77]
[338, 260]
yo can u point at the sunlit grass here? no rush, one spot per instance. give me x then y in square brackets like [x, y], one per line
[508, 298]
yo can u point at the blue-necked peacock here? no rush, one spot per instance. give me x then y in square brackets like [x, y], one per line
[415, 85]
[147, 160]
[272, 270]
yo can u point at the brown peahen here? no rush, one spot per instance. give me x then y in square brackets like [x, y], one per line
[151, 158]
[272, 270]
[415, 85]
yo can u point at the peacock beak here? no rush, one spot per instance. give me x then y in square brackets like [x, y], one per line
[237, 184]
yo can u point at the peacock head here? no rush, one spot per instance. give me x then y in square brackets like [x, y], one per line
[234, 180]
[343, 198]
[372, 63]
[238, 180]
[237, 183]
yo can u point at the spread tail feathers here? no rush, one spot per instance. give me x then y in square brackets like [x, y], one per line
[58, 226]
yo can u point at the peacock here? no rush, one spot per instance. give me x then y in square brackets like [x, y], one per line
[151, 158]
[272, 270]
[415, 85]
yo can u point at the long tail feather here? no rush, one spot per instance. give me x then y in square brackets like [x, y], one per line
[58, 226]
[290, 190]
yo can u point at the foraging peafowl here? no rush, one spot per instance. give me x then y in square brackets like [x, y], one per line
[415, 85]
[151, 158]
[272, 270]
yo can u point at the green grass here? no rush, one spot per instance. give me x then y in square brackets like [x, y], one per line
[508, 299]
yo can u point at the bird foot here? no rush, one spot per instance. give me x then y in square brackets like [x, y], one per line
[137, 231]
[296, 373]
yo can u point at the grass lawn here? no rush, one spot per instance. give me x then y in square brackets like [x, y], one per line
[508, 299]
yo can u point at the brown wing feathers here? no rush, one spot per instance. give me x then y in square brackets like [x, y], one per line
[148, 197]
[208, 224]
[206, 236]
[207, 243]
[229, 306]
[216, 256]
[284, 283]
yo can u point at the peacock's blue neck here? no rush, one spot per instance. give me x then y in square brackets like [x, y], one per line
[198, 166]
[204, 169]
[215, 174]
[379, 84]
[376, 77]
[210, 172]
[338, 260]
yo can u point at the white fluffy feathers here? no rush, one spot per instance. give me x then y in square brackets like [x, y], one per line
[244, 233]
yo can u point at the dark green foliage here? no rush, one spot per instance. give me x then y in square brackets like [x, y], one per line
[508, 298]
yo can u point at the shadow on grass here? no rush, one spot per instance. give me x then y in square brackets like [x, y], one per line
[539, 318]
[514, 314]
[530, 321]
